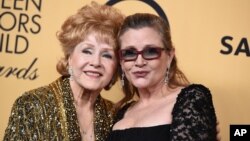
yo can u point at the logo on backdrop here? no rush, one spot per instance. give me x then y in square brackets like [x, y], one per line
[233, 46]
[239, 132]
[151, 3]
[17, 24]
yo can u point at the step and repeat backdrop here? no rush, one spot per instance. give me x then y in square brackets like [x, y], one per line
[211, 38]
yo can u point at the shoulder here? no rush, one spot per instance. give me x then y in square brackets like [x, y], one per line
[27, 106]
[196, 88]
[125, 107]
[38, 96]
[195, 91]
[33, 95]
[194, 99]
[194, 96]
[120, 113]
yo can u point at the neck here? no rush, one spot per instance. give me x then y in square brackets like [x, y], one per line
[84, 97]
[153, 93]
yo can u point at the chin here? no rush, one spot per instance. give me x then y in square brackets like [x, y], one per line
[140, 85]
[92, 87]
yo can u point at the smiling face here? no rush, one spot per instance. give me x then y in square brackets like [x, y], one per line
[93, 63]
[143, 73]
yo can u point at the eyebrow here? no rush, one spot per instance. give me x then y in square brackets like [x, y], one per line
[147, 45]
[102, 49]
[107, 49]
[88, 44]
[129, 47]
[153, 45]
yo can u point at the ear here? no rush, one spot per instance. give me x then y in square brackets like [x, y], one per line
[171, 55]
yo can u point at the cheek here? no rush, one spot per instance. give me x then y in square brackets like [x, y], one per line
[160, 67]
[157, 66]
[76, 58]
[78, 62]
[110, 67]
[126, 66]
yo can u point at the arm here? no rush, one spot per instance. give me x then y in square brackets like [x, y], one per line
[24, 120]
[194, 115]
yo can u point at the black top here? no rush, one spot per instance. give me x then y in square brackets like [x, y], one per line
[153, 133]
[194, 119]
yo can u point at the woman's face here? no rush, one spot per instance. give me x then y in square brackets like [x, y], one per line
[141, 72]
[93, 63]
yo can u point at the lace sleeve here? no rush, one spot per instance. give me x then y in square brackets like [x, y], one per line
[194, 116]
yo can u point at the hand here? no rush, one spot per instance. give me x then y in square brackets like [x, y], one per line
[218, 137]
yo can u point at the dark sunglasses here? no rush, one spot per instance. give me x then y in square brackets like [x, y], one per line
[148, 53]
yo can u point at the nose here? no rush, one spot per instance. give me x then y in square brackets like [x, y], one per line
[95, 60]
[140, 61]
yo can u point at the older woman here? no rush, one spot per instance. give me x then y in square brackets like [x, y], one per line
[71, 108]
[168, 108]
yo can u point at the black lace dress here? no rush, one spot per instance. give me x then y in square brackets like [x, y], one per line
[194, 119]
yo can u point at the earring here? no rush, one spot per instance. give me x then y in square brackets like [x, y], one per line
[167, 76]
[122, 79]
[70, 71]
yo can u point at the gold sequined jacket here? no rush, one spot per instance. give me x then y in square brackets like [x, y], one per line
[48, 113]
